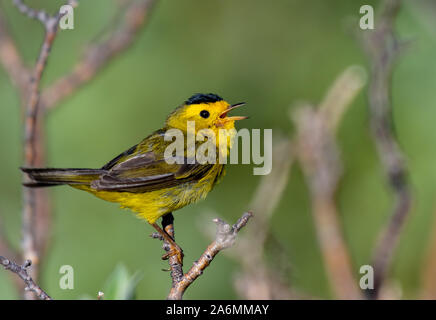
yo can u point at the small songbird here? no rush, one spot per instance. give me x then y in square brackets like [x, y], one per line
[142, 179]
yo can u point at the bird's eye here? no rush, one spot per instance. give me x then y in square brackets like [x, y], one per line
[204, 114]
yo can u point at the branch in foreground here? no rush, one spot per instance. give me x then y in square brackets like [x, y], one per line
[225, 238]
[176, 266]
[382, 47]
[21, 271]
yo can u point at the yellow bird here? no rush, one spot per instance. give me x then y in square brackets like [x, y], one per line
[142, 179]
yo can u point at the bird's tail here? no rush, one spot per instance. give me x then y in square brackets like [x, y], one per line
[46, 177]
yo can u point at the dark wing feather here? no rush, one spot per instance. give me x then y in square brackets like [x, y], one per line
[142, 172]
[114, 161]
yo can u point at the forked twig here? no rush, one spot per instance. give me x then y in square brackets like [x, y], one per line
[22, 272]
[225, 238]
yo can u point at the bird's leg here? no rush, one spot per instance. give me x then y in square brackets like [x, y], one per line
[168, 227]
[167, 235]
[168, 224]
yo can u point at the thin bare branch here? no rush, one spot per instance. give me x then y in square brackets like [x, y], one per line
[36, 214]
[382, 47]
[40, 15]
[98, 55]
[33, 147]
[22, 272]
[225, 238]
[341, 94]
[47, 20]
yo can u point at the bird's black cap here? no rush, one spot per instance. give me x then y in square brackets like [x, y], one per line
[203, 98]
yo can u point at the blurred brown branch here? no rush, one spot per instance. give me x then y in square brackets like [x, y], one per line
[48, 21]
[382, 47]
[225, 238]
[320, 160]
[98, 55]
[36, 218]
[32, 131]
[22, 272]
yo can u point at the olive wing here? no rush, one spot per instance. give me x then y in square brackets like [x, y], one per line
[143, 172]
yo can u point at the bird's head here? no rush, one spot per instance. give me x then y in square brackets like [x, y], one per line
[208, 111]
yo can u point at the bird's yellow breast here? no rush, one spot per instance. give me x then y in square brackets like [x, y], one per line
[154, 204]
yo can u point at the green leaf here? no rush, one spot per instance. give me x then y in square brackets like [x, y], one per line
[121, 285]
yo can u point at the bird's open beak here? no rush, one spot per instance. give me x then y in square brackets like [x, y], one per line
[223, 115]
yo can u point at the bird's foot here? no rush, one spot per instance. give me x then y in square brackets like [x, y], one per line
[174, 251]
[170, 246]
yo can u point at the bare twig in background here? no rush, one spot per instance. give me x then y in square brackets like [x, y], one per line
[341, 94]
[320, 161]
[257, 280]
[36, 214]
[225, 238]
[22, 272]
[48, 21]
[32, 139]
[98, 55]
[382, 47]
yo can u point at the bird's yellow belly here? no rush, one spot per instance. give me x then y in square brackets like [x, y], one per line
[154, 204]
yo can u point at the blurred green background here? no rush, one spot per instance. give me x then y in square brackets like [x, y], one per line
[267, 53]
